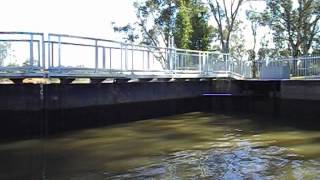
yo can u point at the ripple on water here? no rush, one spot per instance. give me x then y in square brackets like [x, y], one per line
[188, 146]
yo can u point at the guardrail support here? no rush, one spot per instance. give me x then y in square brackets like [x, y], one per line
[59, 51]
[103, 57]
[43, 53]
[31, 50]
[200, 63]
[96, 55]
[110, 65]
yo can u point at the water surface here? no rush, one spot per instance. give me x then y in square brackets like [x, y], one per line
[188, 146]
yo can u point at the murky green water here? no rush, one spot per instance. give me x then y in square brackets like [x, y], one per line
[188, 146]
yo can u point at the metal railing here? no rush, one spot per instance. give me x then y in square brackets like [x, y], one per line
[303, 66]
[28, 59]
[68, 55]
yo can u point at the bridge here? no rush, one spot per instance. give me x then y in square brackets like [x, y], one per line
[69, 57]
[184, 83]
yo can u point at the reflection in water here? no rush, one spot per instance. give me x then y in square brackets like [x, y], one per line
[188, 146]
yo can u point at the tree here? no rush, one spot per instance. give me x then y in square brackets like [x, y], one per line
[161, 13]
[202, 33]
[237, 47]
[316, 46]
[183, 28]
[161, 20]
[225, 16]
[155, 19]
[130, 32]
[294, 25]
[254, 18]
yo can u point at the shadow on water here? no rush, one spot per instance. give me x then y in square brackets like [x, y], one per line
[185, 146]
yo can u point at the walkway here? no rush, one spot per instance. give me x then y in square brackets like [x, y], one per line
[58, 55]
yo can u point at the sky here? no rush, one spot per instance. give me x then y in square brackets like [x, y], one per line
[77, 17]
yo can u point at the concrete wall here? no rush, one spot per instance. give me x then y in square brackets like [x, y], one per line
[28, 110]
[25, 112]
[300, 89]
[66, 96]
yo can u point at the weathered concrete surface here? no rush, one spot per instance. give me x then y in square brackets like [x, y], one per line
[29, 97]
[300, 89]
[20, 97]
[290, 102]
[28, 110]
[67, 96]
[35, 110]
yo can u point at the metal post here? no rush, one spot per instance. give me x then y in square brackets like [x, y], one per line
[103, 57]
[170, 60]
[207, 63]
[39, 52]
[121, 56]
[52, 54]
[175, 60]
[166, 58]
[43, 53]
[110, 58]
[148, 58]
[31, 50]
[143, 60]
[200, 62]
[59, 51]
[132, 58]
[96, 55]
[126, 58]
[305, 67]
[49, 53]
[226, 62]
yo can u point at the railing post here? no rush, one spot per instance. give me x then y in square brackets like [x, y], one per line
[31, 50]
[205, 64]
[49, 52]
[103, 57]
[132, 58]
[175, 60]
[110, 65]
[96, 54]
[121, 55]
[143, 60]
[126, 57]
[186, 56]
[305, 66]
[39, 53]
[170, 59]
[59, 51]
[43, 53]
[200, 62]
[225, 61]
[148, 58]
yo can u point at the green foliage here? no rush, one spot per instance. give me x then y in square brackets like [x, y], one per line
[202, 33]
[159, 20]
[294, 26]
[161, 14]
[129, 31]
[237, 46]
[183, 28]
[225, 16]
